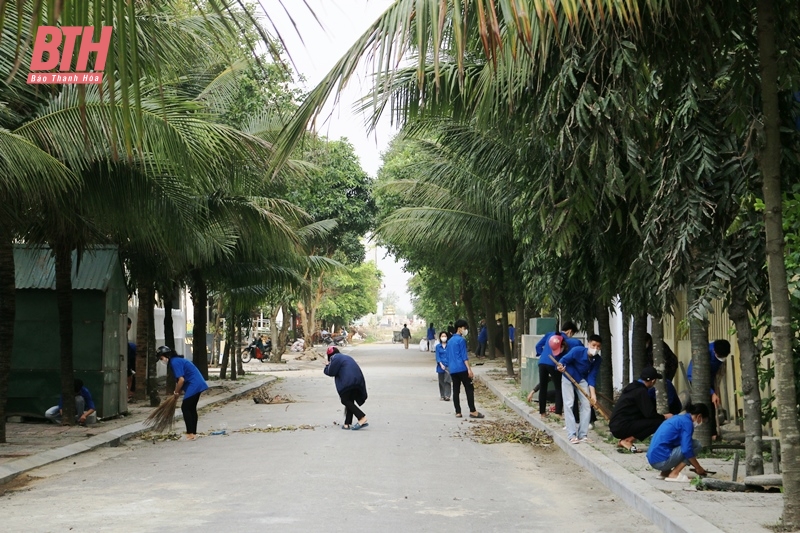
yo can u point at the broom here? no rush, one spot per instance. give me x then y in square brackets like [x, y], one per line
[601, 409]
[163, 417]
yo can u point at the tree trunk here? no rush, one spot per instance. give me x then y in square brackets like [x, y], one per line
[236, 347]
[63, 261]
[239, 366]
[748, 361]
[701, 368]
[275, 355]
[506, 345]
[638, 343]
[150, 314]
[607, 361]
[769, 163]
[169, 338]
[144, 352]
[279, 344]
[229, 346]
[466, 297]
[218, 333]
[519, 327]
[200, 304]
[662, 403]
[8, 312]
[626, 348]
[491, 326]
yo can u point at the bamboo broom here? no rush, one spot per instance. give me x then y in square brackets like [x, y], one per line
[163, 417]
[600, 408]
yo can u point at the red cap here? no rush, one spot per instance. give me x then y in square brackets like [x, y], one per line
[555, 344]
[332, 350]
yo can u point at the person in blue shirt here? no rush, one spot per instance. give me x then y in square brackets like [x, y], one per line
[350, 385]
[547, 368]
[718, 352]
[460, 371]
[672, 447]
[583, 364]
[483, 338]
[511, 331]
[431, 337]
[188, 380]
[441, 367]
[84, 406]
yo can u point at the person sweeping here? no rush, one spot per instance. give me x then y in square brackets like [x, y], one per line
[187, 380]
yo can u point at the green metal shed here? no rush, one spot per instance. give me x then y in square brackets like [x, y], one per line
[100, 306]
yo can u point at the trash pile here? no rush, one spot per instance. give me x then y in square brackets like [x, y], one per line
[515, 431]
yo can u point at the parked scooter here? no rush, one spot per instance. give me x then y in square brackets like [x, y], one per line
[338, 340]
[254, 351]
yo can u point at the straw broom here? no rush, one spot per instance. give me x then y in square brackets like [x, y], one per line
[600, 408]
[163, 417]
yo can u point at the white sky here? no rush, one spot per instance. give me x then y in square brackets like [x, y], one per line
[313, 56]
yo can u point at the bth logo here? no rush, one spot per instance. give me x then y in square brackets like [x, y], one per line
[61, 57]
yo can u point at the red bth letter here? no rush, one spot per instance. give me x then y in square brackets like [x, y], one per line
[41, 45]
[87, 46]
[70, 34]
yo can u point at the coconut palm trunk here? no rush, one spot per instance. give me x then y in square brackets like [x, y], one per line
[701, 368]
[751, 394]
[638, 343]
[169, 338]
[8, 311]
[200, 303]
[657, 332]
[769, 164]
[607, 361]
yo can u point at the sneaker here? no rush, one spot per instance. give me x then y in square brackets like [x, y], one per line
[585, 439]
[574, 440]
[591, 426]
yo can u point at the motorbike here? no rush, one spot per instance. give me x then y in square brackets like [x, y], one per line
[338, 340]
[253, 351]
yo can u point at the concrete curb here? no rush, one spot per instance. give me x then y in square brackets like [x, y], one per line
[651, 503]
[112, 437]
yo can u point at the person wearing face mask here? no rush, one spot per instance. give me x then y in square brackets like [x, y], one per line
[555, 343]
[460, 371]
[441, 367]
[673, 446]
[718, 352]
[583, 364]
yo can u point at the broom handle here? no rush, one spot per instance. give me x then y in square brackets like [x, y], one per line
[592, 402]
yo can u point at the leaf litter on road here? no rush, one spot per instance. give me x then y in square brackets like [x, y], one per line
[513, 431]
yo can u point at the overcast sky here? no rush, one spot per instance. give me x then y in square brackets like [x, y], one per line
[313, 56]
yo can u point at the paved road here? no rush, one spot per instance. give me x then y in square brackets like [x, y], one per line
[413, 469]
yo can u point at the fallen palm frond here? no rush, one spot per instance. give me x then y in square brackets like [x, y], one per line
[163, 417]
[493, 432]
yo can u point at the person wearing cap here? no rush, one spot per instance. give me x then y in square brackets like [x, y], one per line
[718, 352]
[635, 416]
[547, 368]
[350, 385]
[582, 364]
[460, 371]
[188, 380]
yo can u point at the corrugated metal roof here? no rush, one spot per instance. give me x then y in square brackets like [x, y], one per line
[35, 267]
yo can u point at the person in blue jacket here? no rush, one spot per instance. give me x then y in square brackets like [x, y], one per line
[483, 338]
[441, 367]
[673, 446]
[84, 406]
[188, 380]
[547, 368]
[350, 385]
[431, 337]
[718, 352]
[583, 365]
[460, 371]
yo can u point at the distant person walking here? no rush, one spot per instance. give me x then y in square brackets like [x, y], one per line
[405, 333]
[460, 371]
[350, 385]
[450, 330]
[483, 336]
[431, 337]
[445, 380]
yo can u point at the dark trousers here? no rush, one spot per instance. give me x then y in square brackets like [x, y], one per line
[458, 379]
[481, 349]
[350, 408]
[549, 373]
[638, 429]
[189, 410]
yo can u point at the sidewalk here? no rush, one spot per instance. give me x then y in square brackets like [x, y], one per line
[34, 444]
[672, 508]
